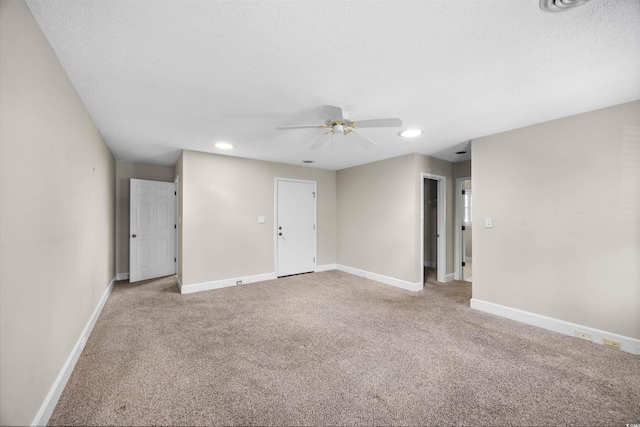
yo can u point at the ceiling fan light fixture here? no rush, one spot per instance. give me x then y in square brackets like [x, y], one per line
[337, 124]
[410, 133]
[224, 145]
[554, 6]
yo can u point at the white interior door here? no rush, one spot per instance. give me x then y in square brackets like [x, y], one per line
[295, 227]
[151, 229]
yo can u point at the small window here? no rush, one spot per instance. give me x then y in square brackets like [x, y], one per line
[467, 207]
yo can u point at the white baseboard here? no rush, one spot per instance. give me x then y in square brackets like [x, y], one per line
[415, 287]
[122, 276]
[628, 344]
[179, 283]
[431, 264]
[325, 267]
[217, 284]
[50, 402]
[449, 277]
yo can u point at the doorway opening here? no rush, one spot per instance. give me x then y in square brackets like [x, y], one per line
[464, 227]
[433, 225]
[152, 228]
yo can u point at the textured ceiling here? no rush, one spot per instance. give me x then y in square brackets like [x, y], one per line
[161, 76]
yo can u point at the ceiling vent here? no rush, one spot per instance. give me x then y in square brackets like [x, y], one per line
[560, 5]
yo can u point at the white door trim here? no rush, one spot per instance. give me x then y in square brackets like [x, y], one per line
[442, 224]
[176, 219]
[275, 218]
[459, 217]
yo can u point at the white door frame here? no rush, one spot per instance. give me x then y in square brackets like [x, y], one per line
[459, 246]
[275, 218]
[177, 222]
[442, 224]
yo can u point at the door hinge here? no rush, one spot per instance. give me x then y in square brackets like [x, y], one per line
[175, 193]
[314, 194]
[463, 192]
[174, 260]
[314, 259]
[464, 263]
[314, 226]
[175, 226]
[463, 228]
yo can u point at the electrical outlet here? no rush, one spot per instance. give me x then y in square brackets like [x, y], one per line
[611, 343]
[238, 282]
[583, 335]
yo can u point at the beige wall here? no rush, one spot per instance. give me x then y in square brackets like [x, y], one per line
[371, 222]
[124, 172]
[462, 169]
[379, 215]
[376, 218]
[565, 201]
[57, 208]
[222, 197]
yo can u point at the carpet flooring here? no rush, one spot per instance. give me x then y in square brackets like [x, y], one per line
[335, 349]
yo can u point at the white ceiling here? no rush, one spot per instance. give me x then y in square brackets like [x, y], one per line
[161, 76]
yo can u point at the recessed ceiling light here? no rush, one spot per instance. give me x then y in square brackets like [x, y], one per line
[307, 161]
[223, 145]
[461, 152]
[410, 133]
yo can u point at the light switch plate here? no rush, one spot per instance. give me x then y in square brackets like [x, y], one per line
[488, 222]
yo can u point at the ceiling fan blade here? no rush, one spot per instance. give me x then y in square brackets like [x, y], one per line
[334, 113]
[379, 123]
[299, 127]
[362, 140]
[323, 138]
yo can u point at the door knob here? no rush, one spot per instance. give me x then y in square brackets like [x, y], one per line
[133, 235]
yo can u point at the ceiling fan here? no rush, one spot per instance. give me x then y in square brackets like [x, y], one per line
[337, 122]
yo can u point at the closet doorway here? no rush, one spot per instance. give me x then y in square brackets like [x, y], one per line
[434, 227]
[464, 227]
